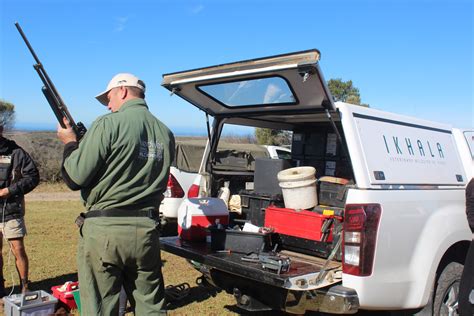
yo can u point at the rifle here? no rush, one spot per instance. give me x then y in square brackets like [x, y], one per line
[51, 94]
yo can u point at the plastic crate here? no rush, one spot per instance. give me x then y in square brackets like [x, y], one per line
[253, 205]
[332, 194]
[31, 303]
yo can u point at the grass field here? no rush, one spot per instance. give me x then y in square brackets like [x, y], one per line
[51, 247]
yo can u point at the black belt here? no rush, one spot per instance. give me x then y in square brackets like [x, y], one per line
[153, 214]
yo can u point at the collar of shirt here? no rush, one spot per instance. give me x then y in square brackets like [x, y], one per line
[132, 103]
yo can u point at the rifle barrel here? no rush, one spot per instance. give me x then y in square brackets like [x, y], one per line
[18, 27]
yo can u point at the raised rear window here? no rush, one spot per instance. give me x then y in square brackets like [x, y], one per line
[253, 92]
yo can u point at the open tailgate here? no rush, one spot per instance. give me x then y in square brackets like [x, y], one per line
[259, 87]
[304, 273]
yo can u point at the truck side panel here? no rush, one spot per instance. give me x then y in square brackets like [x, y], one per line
[389, 149]
[414, 233]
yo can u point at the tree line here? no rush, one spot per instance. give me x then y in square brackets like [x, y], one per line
[46, 150]
[343, 91]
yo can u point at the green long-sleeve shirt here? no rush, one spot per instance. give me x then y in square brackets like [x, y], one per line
[123, 160]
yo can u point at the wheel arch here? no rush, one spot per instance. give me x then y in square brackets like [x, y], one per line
[456, 253]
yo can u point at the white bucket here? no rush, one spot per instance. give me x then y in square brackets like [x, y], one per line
[297, 174]
[298, 186]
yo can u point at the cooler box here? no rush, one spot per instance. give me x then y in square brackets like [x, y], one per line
[302, 224]
[64, 293]
[31, 303]
[196, 214]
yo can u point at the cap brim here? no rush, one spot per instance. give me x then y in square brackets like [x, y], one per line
[102, 98]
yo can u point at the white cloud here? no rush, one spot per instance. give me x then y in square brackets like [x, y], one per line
[197, 9]
[121, 23]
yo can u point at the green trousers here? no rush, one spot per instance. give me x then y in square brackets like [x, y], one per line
[115, 252]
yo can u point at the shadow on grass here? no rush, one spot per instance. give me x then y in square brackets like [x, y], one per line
[201, 293]
[46, 284]
[237, 310]
[196, 294]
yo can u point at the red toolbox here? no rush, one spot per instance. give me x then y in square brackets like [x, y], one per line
[304, 231]
[64, 293]
[302, 224]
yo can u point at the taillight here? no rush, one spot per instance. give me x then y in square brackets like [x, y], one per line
[193, 191]
[361, 222]
[173, 189]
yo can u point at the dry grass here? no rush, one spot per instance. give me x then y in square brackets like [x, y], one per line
[51, 247]
[53, 187]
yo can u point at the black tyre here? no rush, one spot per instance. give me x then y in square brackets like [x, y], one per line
[446, 294]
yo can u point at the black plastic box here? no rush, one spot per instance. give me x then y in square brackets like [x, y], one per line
[239, 241]
[265, 176]
[332, 194]
[253, 205]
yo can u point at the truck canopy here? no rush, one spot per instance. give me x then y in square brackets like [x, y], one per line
[262, 88]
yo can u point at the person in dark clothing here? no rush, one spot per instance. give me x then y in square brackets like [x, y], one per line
[18, 176]
[466, 287]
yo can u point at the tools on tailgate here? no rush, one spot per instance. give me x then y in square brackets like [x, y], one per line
[270, 260]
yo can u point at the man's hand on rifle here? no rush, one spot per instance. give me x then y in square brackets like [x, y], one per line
[66, 135]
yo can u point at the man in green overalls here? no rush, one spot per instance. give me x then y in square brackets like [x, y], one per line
[121, 167]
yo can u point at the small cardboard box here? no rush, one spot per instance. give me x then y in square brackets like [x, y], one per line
[29, 304]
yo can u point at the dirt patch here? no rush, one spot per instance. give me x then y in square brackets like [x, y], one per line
[53, 196]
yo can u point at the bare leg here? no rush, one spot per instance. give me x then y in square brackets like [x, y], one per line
[22, 264]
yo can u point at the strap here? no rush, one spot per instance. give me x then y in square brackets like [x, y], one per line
[115, 212]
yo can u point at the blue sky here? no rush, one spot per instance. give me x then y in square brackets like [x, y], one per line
[409, 57]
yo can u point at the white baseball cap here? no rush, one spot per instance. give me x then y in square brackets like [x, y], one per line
[119, 80]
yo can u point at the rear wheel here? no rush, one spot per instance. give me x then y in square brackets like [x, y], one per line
[446, 294]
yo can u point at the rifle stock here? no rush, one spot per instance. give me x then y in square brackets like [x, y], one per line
[51, 94]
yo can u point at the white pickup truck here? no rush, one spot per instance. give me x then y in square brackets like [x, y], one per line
[404, 234]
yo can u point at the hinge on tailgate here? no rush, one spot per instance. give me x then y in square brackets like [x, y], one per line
[306, 70]
[174, 90]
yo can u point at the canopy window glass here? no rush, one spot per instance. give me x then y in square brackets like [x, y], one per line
[262, 91]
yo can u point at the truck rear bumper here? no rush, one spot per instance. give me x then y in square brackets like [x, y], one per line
[337, 300]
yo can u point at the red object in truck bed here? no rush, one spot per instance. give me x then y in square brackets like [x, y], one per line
[296, 223]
